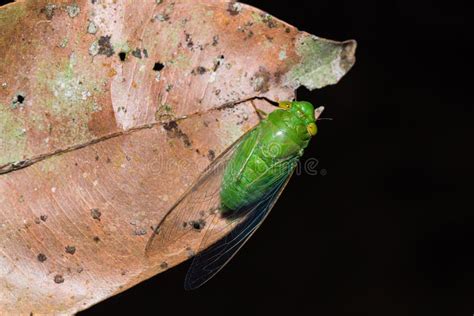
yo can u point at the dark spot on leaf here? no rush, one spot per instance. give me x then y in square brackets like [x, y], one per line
[199, 70]
[42, 257]
[96, 239]
[58, 278]
[169, 87]
[70, 250]
[218, 62]
[96, 214]
[137, 53]
[189, 41]
[145, 53]
[287, 30]
[173, 131]
[164, 265]
[105, 47]
[198, 225]
[211, 155]
[185, 224]
[37, 220]
[44, 218]
[158, 66]
[215, 40]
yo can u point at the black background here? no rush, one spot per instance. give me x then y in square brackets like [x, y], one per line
[390, 229]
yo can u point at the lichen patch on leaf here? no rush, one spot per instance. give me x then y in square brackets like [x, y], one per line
[12, 135]
[322, 62]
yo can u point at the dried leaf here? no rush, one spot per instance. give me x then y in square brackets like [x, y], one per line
[109, 110]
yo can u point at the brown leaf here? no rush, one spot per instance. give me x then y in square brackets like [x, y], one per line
[109, 110]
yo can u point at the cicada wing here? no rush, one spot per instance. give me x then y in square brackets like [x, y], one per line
[208, 262]
[192, 211]
[195, 208]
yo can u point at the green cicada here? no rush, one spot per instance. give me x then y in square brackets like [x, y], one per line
[237, 191]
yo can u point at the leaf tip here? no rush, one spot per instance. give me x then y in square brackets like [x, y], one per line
[322, 62]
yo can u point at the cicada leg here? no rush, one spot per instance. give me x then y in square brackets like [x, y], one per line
[261, 114]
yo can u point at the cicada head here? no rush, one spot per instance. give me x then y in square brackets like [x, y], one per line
[305, 113]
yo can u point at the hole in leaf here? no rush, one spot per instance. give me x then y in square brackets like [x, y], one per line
[158, 66]
[18, 100]
[122, 56]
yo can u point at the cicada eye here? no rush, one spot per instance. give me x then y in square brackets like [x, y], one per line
[312, 129]
[285, 105]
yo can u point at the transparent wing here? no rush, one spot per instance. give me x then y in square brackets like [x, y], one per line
[195, 209]
[210, 261]
[197, 212]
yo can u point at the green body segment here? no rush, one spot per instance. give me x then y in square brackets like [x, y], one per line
[266, 156]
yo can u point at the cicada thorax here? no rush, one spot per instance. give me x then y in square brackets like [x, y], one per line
[264, 157]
